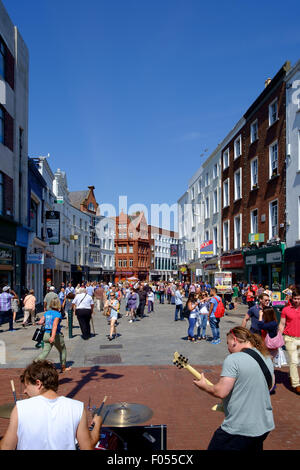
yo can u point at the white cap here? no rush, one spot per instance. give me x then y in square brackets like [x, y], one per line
[6, 288]
[52, 288]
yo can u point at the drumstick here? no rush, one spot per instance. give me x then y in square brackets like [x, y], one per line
[13, 390]
[98, 412]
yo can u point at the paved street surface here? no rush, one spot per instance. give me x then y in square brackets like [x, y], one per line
[137, 368]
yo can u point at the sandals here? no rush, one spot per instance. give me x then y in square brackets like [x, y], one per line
[65, 369]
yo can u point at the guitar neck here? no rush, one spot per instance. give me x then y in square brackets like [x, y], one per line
[196, 374]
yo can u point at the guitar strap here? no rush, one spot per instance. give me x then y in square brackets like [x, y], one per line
[261, 364]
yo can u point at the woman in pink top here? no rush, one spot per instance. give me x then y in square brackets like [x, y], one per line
[29, 308]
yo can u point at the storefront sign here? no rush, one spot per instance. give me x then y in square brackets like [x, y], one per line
[233, 262]
[35, 258]
[53, 227]
[274, 257]
[250, 260]
[6, 256]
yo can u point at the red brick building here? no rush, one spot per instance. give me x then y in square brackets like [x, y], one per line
[132, 247]
[253, 188]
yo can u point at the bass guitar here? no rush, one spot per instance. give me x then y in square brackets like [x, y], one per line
[182, 363]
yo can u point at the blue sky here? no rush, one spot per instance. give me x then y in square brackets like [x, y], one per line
[126, 95]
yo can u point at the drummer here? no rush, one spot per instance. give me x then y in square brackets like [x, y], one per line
[58, 421]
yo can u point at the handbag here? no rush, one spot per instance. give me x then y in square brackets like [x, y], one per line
[38, 335]
[274, 343]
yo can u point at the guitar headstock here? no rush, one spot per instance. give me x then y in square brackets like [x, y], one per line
[179, 360]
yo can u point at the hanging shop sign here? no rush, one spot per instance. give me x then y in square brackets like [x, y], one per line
[53, 227]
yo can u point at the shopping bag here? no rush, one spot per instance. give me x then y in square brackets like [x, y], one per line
[280, 359]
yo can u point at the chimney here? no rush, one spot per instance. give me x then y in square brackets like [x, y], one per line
[267, 82]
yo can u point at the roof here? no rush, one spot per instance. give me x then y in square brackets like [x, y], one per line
[77, 197]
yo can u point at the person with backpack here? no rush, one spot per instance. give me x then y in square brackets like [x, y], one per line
[216, 311]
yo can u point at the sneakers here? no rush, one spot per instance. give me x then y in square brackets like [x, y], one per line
[130, 321]
[215, 341]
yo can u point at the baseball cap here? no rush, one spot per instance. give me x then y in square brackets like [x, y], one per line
[6, 288]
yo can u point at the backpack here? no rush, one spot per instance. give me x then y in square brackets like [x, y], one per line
[220, 310]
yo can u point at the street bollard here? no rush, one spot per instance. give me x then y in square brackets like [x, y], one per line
[70, 323]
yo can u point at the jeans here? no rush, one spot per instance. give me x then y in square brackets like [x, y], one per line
[8, 314]
[162, 298]
[202, 326]
[192, 323]
[292, 345]
[150, 306]
[178, 309]
[222, 440]
[214, 325]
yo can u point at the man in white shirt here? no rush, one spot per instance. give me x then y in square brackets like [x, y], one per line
[58, 421]
[84, 305]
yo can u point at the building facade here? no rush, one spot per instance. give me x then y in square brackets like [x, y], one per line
[14, 70]
[292, 253]
[132, 247]
[264, 185]
[164, 254]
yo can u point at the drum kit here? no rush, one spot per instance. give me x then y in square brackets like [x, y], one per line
[121, 421]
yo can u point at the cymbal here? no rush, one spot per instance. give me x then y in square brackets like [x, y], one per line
[6, 409]
[125, 414]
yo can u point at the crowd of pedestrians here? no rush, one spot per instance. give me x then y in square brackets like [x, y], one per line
[260, 335]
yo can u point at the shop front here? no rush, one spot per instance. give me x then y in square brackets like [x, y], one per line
[210, 267]
[236, 264]
[79, 274]
[292, 260]
[124, 275]
[62, 273]
[95, 274]
[266, 266]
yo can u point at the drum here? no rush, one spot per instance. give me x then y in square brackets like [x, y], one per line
[109, 440]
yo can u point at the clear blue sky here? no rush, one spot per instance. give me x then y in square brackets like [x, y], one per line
[126, 94]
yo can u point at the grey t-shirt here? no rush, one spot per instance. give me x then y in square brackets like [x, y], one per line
[48, 297]
[248, 409]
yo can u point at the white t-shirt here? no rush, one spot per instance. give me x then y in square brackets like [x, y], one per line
[83, 301]
[45, 424]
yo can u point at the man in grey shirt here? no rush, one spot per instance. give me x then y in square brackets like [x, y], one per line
[49, 296]
[245, 393]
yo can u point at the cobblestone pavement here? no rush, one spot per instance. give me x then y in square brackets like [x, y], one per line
[137, 368]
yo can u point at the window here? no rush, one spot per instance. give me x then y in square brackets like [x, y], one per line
[207, 208]
[254, 173]
[226, 159]
[2, 59]
[206, 236]
[120, 263]
[216, 201]
[237, 231]
[215, 171]
[273, 230]
[273, 112]
[254, 131]
[131, 263]
[124, 263]
[226, 193]
[130, 249]
[1, 125]
[33, 216]
[193, 193]
[238, 184]
[1, 193]
[226, 236]
[238, 147]
[273, 159]
[124, 249]
[91, 207]
[119, 249]
[215, 240]
[254, 221]
[206, 179]
[199, 186]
